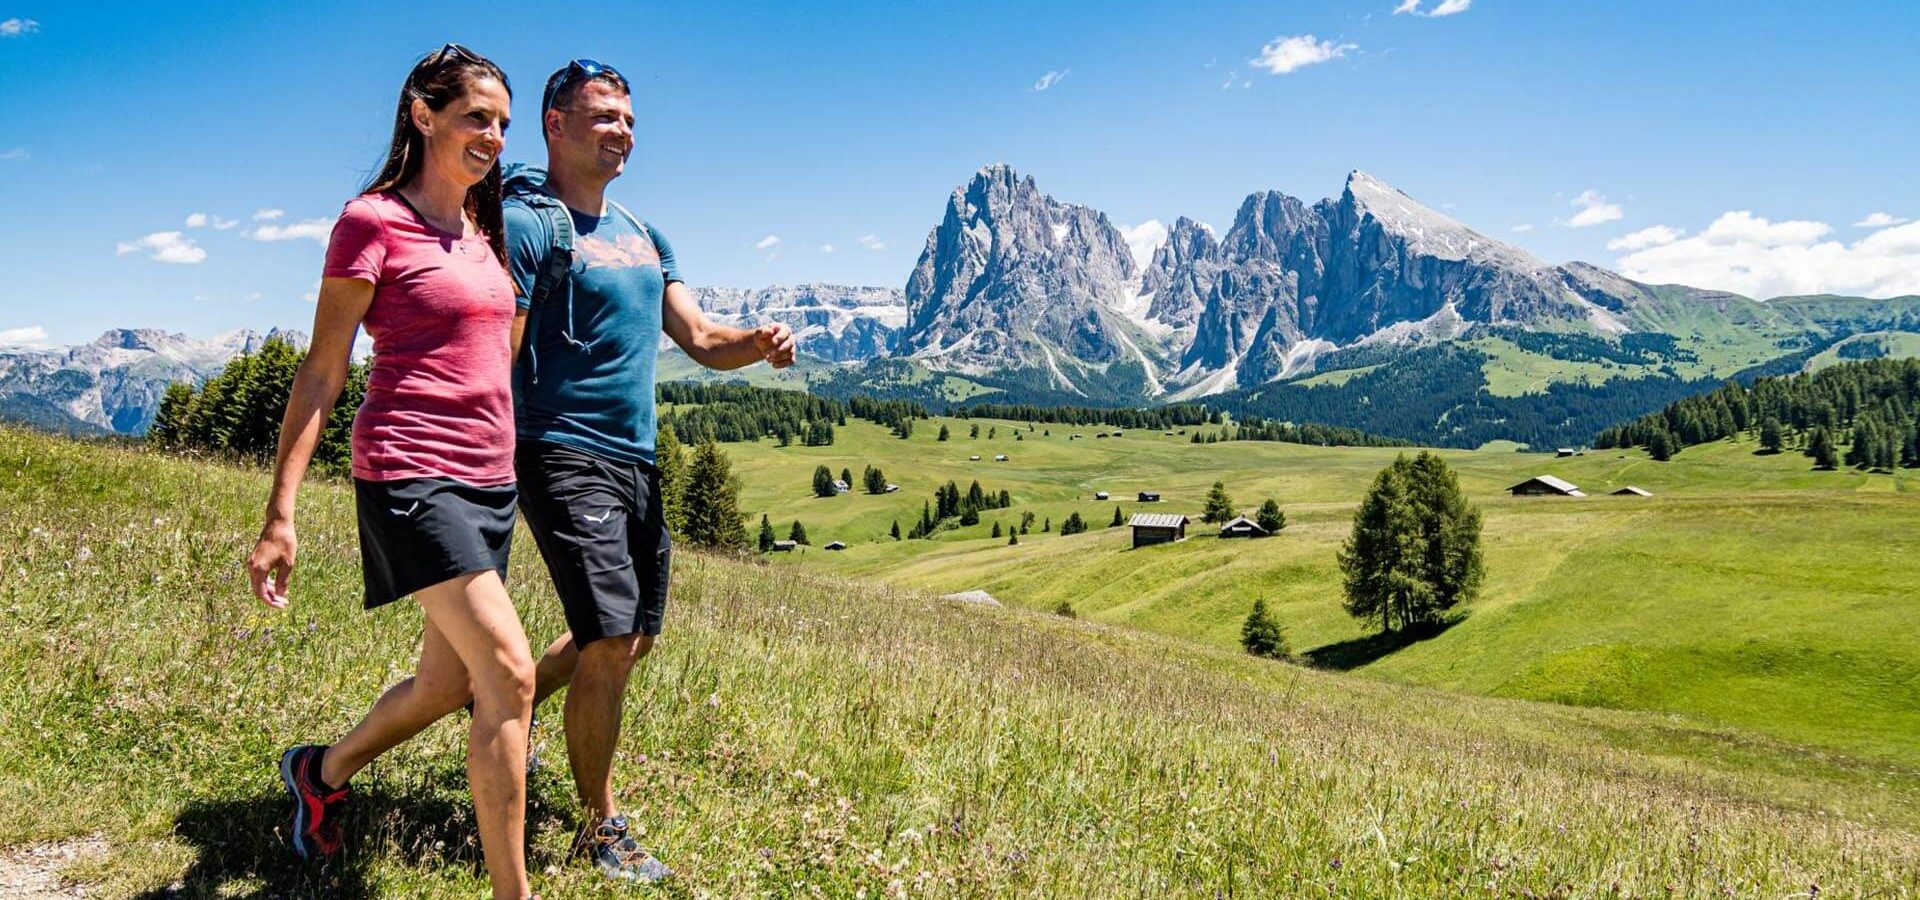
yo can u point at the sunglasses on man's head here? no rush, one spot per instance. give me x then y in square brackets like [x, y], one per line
[576, 71]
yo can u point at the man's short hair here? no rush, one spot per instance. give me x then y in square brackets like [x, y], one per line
[563, 90]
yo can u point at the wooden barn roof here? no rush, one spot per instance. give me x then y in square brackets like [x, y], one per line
[1158, 520]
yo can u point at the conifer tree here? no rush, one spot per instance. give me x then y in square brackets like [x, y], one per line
[1117, 520]
[823, 482]
[1047, 526]
[1821, 448]
[1270, 517]
[1260, 634]
[996, 529]
[943, 431]
[712, 501]
[669, 459]
[1415, 547]
[1219, 506]
[896, 529]
[1771, 438]
[846, 477]
[1661, 445]
[1013, 537]
[766, 533]
[798, 533]
[975, 431]
[170, 420]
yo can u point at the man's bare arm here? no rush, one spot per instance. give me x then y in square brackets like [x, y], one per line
[719, 346]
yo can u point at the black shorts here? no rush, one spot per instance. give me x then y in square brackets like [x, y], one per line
[604, 537]
[418, 532]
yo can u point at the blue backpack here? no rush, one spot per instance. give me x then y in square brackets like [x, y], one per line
[527, 184]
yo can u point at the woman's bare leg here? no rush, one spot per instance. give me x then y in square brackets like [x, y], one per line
[474, 615]
[439, 686]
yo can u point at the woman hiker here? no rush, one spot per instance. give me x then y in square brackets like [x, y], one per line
[417, 260]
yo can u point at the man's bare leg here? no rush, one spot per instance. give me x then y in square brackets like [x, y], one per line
[594, 704]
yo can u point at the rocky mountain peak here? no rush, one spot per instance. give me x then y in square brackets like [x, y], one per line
[1014, 279]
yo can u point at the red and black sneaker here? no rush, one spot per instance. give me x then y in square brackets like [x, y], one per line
[316, 807]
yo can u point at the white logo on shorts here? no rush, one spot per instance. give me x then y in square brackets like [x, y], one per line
[406, 512]
[603, 517]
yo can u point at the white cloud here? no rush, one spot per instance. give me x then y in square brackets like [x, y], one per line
[1143, 239]
[268, 214]
[767, 243]
[313, 296]
[166, 247]
[1443, 8]
[30, 336]
[220, 224]
[197, 220]
[1594, 210]
[1751, 255]
[1881, 220]
[18, 27]
[1285, 54]
[826, 248]
[1525, 227]
[871, 242]
[15, 155]
[1656, 236]
[316, 230]
[1050, 79]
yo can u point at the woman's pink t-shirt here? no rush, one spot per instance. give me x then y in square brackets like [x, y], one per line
[439, 398]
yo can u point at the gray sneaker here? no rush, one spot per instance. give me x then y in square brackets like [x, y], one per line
[615, 853]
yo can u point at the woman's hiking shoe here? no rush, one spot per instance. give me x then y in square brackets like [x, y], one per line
[316, 807]
[615, 853]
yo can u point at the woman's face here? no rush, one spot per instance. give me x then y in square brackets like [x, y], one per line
[465, 138]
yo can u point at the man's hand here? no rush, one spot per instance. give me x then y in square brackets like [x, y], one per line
[775, 342]
[271, 562]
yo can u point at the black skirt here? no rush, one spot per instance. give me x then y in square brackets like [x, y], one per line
[418, 532]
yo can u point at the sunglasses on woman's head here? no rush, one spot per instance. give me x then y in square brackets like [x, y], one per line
[453, 52]
[576, 71]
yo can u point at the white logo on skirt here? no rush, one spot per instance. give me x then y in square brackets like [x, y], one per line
[603, 517]
[408, 511]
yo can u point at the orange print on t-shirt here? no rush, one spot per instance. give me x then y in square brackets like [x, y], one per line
[625, 252]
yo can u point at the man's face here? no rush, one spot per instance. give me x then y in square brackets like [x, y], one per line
[595, 130]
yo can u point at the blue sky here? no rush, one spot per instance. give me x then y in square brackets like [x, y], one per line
[826, 125]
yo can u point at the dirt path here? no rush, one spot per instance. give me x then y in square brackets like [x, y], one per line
[33, 872]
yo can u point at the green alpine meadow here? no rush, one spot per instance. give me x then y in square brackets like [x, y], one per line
[1708, 692]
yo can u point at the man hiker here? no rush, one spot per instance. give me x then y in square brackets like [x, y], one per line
[597, 287]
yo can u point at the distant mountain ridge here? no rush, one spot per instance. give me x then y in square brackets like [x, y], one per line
[114, 383]
[835, 323]
[1025, 298]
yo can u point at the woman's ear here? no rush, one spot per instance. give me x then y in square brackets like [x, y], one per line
[422, 117]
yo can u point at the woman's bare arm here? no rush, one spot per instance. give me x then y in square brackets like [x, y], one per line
[343, 303]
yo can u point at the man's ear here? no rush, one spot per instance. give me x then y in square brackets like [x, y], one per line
[550, 123]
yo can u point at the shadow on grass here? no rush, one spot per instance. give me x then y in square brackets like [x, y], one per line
[242, 848]
[1351, 654]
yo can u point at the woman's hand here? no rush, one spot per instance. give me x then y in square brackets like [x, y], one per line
[271, 562]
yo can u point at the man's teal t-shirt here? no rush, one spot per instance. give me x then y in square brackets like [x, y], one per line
[585, 377]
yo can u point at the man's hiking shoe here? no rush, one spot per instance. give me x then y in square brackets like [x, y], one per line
[316, 808]
[615, 853]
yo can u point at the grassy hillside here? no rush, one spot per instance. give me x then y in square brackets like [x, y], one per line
[797, 735]
[1871, 345]
[1750, 592]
